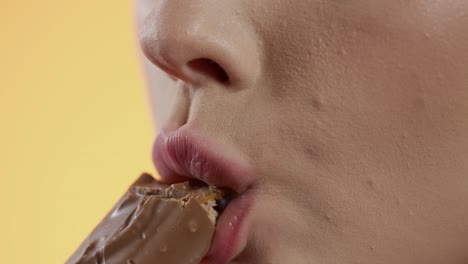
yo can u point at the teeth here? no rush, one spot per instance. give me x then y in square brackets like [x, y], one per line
[222, 202]
[219, 196]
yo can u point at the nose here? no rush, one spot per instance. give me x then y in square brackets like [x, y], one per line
[200, 41]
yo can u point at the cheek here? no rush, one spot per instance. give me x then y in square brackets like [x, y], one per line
[372, 73]
[362, 114]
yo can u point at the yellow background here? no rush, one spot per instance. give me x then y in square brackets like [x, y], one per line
[75, 123]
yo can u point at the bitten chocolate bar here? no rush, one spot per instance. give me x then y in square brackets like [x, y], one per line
[154, 223]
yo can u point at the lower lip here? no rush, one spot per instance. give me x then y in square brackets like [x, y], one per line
[232, 230]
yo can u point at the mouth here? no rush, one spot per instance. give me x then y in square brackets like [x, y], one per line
[184, 155]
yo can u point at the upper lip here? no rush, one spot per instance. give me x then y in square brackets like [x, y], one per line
[184, 154]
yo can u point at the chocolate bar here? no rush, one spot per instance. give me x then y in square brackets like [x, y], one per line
[154, 223]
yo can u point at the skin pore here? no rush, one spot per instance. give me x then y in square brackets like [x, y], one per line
[354, 115]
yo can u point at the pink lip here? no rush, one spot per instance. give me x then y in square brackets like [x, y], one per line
[183, 155]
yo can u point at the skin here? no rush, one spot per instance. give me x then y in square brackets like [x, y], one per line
[353, 113]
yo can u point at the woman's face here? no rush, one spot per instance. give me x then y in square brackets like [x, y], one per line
[354, 115]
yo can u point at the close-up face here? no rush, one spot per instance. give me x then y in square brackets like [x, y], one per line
[345, 123]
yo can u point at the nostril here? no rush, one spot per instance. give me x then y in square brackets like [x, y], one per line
[209, 68]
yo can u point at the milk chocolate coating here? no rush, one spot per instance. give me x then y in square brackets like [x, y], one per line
[148, 226]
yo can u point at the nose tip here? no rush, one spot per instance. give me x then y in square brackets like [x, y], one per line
[200, 41]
